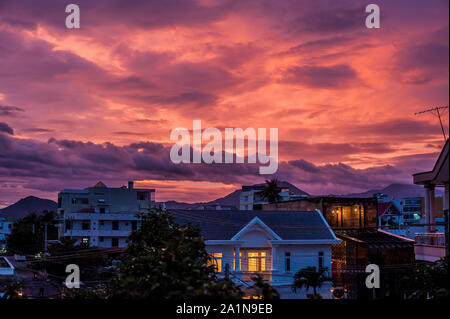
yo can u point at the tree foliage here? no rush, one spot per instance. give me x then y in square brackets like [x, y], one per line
[310, 277]
[166, 260]
[271, 191]
[27, 236]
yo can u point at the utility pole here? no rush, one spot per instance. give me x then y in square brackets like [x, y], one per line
[45, 238]
[436, 109]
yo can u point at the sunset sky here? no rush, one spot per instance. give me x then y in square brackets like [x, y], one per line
[98, 103]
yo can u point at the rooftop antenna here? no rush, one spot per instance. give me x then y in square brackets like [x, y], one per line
[436, 109]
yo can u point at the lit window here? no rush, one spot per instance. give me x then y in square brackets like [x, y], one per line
[216, 260]
[257, 261]
[85, 240]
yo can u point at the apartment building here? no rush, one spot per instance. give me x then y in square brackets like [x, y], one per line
[251, 198]
[102, 216]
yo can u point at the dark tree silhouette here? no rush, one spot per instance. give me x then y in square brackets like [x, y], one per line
[271, 191]
[310, 277]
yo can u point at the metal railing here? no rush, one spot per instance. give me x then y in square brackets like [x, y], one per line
[432, 239]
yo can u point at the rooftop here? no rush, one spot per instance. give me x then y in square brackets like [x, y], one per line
[289, 225]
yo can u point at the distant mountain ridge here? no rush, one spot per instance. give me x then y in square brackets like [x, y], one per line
[28, 205]
[397, 191]
[231, 199]
[394, 191]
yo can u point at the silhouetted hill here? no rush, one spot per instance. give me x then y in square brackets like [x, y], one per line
[397, 191]
[230, 199]
[27, 205]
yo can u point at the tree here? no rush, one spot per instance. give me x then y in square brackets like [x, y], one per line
[27, 236]
[166, 260]
[12, 289]
[91, 260]
[310, 277]
[426, 280]
[271, 191]
[262, 289]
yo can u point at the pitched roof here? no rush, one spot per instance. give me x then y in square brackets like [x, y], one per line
[375, 238]
[224, 224]
[383, 207]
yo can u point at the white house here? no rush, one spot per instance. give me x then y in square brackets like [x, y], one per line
[272, 243]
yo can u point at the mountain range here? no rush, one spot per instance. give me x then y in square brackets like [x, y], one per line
[35, 204]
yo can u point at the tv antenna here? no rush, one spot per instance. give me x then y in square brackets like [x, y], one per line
[436, 109]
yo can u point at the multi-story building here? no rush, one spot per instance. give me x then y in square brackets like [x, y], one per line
[102, 216]
[273, 244]
[251, 198]
[355, 223]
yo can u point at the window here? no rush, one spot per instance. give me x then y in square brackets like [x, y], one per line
[102, 210]
[86, 225]
[83, 201]
[287, 261]
[59, 202]
[134, 225]
[115, 225]
[68, 224]
[114, 242]
[102, 239]
[257, 261]
[142, 195]
[320, 259]
[216, 260]
[102, 223]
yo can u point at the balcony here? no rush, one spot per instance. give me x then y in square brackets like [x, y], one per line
[429, 246]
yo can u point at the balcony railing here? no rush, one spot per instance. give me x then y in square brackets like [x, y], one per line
[431, 239]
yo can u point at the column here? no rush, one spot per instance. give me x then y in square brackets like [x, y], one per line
[429, 208]
[237, 259]
[274, 258]
[446, 199]
[274, 277]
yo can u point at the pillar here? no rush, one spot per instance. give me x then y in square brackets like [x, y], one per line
[446, 199]
[429, 208]
[274, 258]
[237, 259]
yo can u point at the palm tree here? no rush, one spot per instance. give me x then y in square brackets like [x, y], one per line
[271, 191]
[310, 277]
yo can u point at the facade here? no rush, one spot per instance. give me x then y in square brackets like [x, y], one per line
[6, 226]
[102, 216]
[271, 243]
[389, 215]
[251, 199]
[433, 245]
[355, 223]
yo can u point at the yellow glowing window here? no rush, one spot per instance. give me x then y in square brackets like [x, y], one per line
[256, 261]
[216, 260]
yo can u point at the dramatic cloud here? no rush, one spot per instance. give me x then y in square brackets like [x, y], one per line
[99, 102]
[5, 128]
[336, 76]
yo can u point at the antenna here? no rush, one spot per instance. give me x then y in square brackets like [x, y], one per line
[437, 108]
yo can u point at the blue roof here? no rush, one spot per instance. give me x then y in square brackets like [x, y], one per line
[224, 224]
